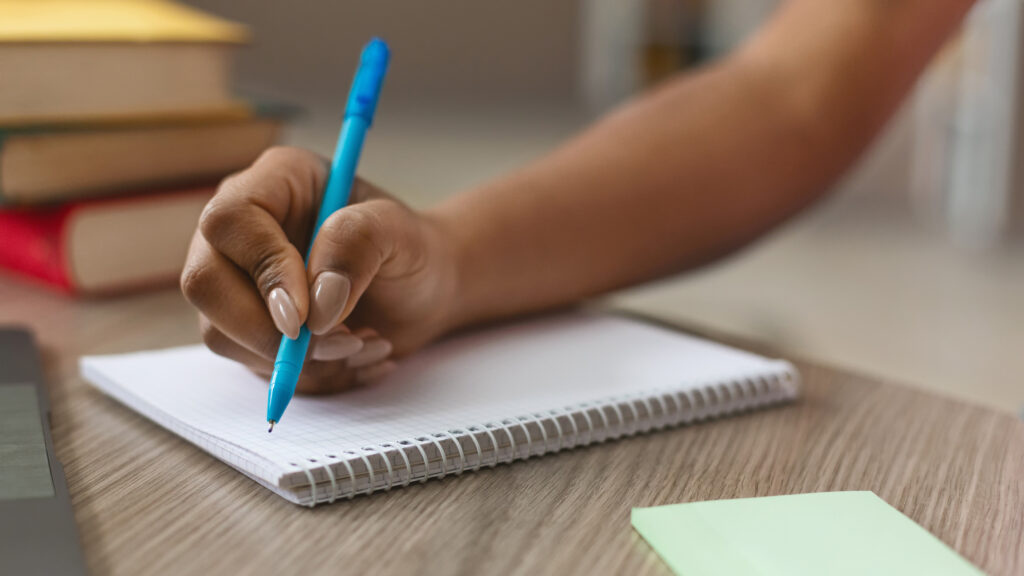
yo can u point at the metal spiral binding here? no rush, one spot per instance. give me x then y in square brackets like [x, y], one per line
[529, 439]
[618, 414]
[441, 450]
[575, 430]
[462, 455]
[590, 423]
[558, 431]
[651, 424]
[369, 469]
[636, 417]
[701, 404]
[312, 483]
[476, 444]
[494, 444]
[405, 458]
[387, 463]
[543, 432]
[423, 456]
[334, 486]
[351, 479]
[511, 437]
[661, 409]
[676, 407]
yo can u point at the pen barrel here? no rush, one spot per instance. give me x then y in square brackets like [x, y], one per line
[343, 172]
[287, 367]
[362, 104]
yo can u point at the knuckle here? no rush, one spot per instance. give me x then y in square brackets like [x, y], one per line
[216, 218]
[266, 343]
[358, 230]
[285, 154]
[364, 191]
[268, 270]
[197, 280]
[213, 338]
[299, 163]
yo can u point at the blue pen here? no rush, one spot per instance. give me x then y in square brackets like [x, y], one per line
[362, 102]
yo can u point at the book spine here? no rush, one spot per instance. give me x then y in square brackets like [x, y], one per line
[452, 452]
[32, 243]
[3, 140]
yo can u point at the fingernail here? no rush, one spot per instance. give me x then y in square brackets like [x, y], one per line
[329, 295]
[337, 347]
[284, 313]
[373, 350]
[375, 372]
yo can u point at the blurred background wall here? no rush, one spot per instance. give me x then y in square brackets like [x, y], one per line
[448, 52]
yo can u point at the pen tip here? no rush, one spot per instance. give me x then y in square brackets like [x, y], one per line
[271, 429]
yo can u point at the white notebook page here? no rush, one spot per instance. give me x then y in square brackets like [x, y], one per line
[521, 369]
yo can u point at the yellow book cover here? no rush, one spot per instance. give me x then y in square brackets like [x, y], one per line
[112, 21]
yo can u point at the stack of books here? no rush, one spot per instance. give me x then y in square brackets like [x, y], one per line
[117, 120]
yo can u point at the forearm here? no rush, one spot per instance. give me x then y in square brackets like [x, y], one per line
[698, 168]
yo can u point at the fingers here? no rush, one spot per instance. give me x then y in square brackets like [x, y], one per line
[361, 349]
[337, 345]
[349, 251]
[257, 218]
[319, 375]
[374, 350]
[328, 299]
[245, 270]
[319, 378]
[228, 300]
[334, 377]
[223, 345]
[374, 372]
[365, 365]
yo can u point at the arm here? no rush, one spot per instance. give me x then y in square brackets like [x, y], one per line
[701, 166]
[680, 176]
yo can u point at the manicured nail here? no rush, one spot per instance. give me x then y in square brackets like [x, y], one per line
[337, 347]
[375, 372]
[374, 350]
[284, 313]
[327, 301]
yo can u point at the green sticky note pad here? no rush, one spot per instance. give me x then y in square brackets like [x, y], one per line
[829, 533]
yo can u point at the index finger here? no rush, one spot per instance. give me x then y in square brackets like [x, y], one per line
[261, 217]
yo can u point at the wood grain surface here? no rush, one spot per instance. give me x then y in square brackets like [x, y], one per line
[147, 502]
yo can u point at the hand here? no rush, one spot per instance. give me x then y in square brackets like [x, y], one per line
[380, 279]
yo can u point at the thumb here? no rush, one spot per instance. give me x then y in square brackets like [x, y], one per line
[348, 252]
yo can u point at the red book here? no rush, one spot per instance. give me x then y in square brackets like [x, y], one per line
[103, 246]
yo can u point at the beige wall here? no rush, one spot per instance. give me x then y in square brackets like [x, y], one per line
[458, 51]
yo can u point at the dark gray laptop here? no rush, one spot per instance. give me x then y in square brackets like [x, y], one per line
[37, 528]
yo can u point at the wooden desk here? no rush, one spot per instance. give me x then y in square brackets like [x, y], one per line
[148, 502]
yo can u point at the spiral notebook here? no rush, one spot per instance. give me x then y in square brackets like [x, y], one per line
[508, 393]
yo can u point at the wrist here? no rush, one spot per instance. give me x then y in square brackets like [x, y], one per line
[451, 258]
